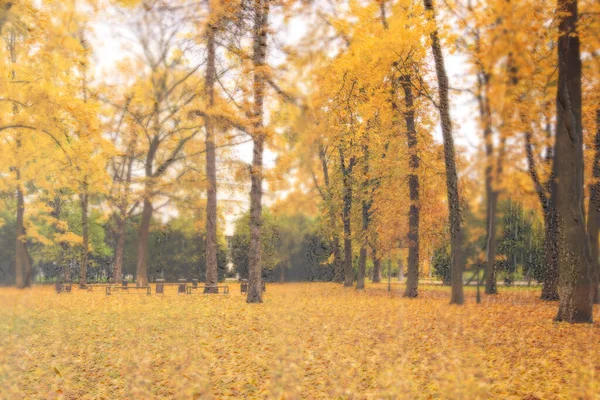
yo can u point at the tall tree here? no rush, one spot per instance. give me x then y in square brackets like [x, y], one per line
[574, 253]
[593, 222]
[211, 167]
[259, 55]
[456, 235]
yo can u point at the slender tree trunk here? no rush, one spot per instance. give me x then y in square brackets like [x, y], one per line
[261, 14]
[346, 213]
[120, 249]
[22, 263]
[362, 260]
[376, 265]
[142, 250]
[490, 194]
[550, 283]
[593, 222]
[211, 170]
[574, 253]
[338, 267]
[85, 247]
[457, 266]
[412, 282]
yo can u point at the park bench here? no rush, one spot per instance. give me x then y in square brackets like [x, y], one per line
[244, 287]
[129, 289]
[181, 285]
[220, 289]
[63, 287]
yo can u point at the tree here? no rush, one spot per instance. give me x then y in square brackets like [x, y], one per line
[211, 168]
[457, 258]
[574, 254]
[260, 30]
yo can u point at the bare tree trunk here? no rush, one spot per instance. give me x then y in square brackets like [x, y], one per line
[85, 247]
[211, 170]
[346, 214]
[412, 282]
[490, 194]
[457, 266]
[593, 222]
[376, 265]
[574, 253]
[261, 14]
[338, 267]
[142, 250]
[550, 283]
[362, 260]
[22, 264]
[120, 249]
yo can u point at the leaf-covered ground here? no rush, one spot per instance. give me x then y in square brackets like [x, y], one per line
[306, 341]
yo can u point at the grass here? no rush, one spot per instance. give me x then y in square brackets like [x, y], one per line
[312, 340]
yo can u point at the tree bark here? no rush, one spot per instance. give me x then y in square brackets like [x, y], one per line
[593, 222]
[376, 265]
[22, 263]
[142, 248]
[490, 194]
[574, 253]
[211, 169]
[362, 260]
[346, 214]
[85, 247]
[412, 282]
[457, 265]
[261, 14]
[119, 249]
[338, 267]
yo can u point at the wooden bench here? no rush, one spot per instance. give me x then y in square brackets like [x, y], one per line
[244, 287]
[128, 289]
[220, 289]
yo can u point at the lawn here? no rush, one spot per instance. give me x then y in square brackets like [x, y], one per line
[312, 340]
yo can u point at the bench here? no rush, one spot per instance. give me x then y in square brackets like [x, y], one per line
[62, 287]
[128, 289]
[244, 287]
[181, 285]
[220, 289]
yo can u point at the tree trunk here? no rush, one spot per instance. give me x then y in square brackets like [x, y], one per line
[412, 282]
[376, 265]
[593, 222]
[550, 283]
[490, 194]
[85, 247]
[120, 234]
[346, 213]
[574, 253]
[211, 170]
[338, 267]
[261, 14]
[457, 265]
[142, 250]
[362, 261]
[22, 263]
